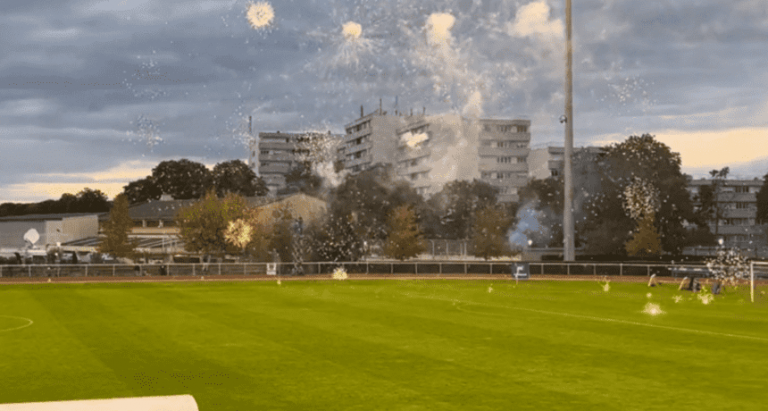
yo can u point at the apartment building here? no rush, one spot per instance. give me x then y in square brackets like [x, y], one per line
[737, 199]
[274, 155]
[435, 150]
[369, 140]
[545, 162]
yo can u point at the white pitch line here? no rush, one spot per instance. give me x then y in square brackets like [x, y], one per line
[17, 328]
[613, 320]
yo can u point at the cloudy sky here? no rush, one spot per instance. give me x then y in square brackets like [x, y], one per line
[97, 92]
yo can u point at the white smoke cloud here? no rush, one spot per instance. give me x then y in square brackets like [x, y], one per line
[532, 20]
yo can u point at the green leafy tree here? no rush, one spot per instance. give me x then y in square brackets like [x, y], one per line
[455, 205]
[405, 239]
[301, 179]
[142, 190]
[365, 200]
[645, 240]
[236, 177]
[489, 236]
[336, 239]
[91, 201]
[202, 225]
[604, 227]
[182, 179]
[762, 202]
[116, 241]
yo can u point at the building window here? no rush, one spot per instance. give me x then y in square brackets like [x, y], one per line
[521, 159]
[414, 176]
[522, 129]
[504, 160]
[487, 143]
[742, 189]
[555, 172]
[486, 127]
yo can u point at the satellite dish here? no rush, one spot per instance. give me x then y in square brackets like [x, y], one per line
[32, 236]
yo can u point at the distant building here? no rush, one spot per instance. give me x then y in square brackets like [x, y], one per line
[369, 140]
[549, 162]
[738, 199]
[435, 150]
[52, 228]
[274, 155]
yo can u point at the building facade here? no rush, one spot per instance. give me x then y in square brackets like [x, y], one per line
[274, 155]
[737, 201]
[435, 150]
[369, 141]
[52, 228]
[548, 161]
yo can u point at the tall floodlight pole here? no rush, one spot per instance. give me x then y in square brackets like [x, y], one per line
[569, 253]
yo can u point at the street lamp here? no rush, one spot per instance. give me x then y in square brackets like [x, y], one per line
[568, 225]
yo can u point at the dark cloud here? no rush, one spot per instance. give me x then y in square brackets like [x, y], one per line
[78, 75]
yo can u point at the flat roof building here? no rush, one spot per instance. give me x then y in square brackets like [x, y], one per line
[274, 155]
[737, 200]
[435, 150]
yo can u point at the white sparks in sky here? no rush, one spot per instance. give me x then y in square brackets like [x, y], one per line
[439, 29]
[352, 31]
[260, 14]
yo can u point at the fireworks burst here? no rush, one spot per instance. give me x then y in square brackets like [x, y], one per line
[352, 31]
[413, 141]
[649, 295]
[706, 298]
[652, 309]
[439, 29]
[260, 15]
[340, 274]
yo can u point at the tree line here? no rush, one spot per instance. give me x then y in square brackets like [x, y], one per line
[182, 179]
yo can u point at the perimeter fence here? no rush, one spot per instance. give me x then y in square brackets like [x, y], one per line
[447, 268]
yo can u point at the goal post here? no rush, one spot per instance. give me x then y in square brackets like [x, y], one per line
[760, 266]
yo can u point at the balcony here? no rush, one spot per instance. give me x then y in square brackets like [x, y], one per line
[277, 168]
[503, 151]
[276, 145]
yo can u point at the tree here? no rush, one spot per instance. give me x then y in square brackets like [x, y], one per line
[142, 190]
[710, 199]
[489, 235]
[236, 177]
[404, 239]
[301, 179]
[544, 199]
[336, 239]
[202, 225]
[182, 179]
[605, 227]
[91, 201]
[455, 206]
[762, 202]
[365, 200]
[116, 229]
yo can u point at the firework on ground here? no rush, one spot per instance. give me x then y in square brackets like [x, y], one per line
[678, 298]
[706, 298]
[490, 289]
[649, 295]
[340, 274]
[652, 309]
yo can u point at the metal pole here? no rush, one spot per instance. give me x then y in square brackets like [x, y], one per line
[621, 269]
[752, 280]
[568, 224]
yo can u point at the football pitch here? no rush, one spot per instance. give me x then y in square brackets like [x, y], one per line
[386, 345]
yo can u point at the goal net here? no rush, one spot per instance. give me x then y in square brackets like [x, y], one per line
[757, 271]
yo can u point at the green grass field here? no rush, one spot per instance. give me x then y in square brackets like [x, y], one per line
[385, 345]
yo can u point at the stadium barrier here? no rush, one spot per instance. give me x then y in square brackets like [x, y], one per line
[167, 403]
[447, 268]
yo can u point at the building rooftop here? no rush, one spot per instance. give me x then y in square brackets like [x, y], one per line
[47, 217]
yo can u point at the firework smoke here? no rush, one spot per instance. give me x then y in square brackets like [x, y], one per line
[652, 309]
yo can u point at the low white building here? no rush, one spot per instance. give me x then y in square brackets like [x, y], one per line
[52, 228]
